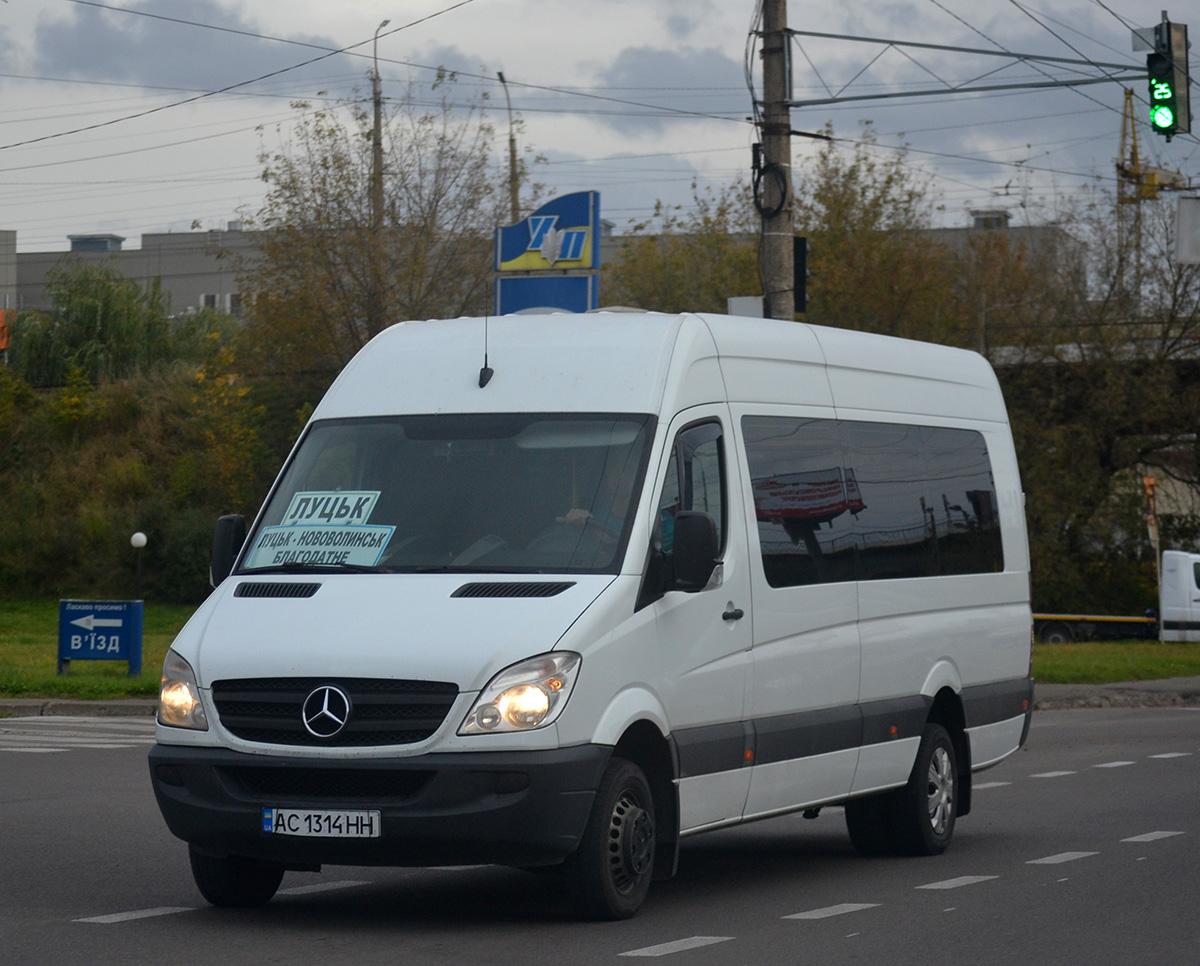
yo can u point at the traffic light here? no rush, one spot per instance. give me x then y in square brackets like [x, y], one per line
[800, 271]
[1166, 70]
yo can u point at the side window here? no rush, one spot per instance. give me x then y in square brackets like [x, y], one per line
[930, 501]
[844, 500]
[805, 499]
[695, 481]
[897, 526]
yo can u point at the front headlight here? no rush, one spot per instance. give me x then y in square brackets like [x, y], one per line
[525, 696]
[178, 697]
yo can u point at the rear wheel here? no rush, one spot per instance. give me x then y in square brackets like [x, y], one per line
[235, 881]
[925, 808]
[610, 872]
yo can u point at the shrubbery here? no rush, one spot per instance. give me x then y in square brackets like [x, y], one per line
[162, 437]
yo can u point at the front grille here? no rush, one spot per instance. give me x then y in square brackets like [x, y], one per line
[272, 784]
[527, 588]
[383, 711]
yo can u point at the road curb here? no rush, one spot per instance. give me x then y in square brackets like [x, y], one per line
[74, 707]
[1166, 693]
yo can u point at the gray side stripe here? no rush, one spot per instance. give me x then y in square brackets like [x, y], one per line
[723, 747]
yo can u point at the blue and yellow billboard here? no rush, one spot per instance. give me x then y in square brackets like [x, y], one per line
[562, 234]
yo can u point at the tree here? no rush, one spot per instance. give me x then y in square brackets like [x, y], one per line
[102, 325]
[688, 260]
[873, 266]
[1106, 390]
[324, 282]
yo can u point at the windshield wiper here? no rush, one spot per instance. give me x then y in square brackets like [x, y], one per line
[297, 567]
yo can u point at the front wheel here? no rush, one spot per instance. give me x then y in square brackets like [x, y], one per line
[610, 872]
[235, 881]
[925, 808]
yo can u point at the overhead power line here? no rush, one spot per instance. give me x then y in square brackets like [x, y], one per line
[227, 88]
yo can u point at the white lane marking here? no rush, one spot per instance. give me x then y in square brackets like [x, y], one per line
[1052, 774]
[322, 887]
[828, 911]
[1115, 764]
[1174, 754]
[975, 787]
[84, 725]
[34, 751]
[962, 880]
[679, 946]
[138, 914]
[1060, 858]
[7, 744]
[1151, 836]
[125, 741]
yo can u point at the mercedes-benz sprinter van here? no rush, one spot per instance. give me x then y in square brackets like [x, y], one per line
[561, 591]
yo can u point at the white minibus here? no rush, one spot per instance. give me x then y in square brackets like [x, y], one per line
[560, 591]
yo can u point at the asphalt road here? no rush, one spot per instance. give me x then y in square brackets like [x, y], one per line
[1083, 848]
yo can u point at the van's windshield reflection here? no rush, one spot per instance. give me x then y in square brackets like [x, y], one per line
[479, 493]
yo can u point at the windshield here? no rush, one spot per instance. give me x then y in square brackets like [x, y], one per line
[505, 493]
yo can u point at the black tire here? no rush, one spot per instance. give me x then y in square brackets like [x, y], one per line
[235, 881]
[868, 820]
[610, 872]
[925, 808]
[1056, 633]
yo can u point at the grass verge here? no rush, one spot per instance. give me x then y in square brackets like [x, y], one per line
[1105, 662]
[29, 655]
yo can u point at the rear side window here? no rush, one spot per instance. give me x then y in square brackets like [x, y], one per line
[840, 500]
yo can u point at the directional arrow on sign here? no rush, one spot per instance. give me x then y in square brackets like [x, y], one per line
[91, 622]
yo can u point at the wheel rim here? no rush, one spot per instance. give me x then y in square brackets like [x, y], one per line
[630, 842]
[941, 790]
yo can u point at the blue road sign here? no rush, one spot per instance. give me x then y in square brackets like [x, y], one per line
[573, 293]
[100, 630]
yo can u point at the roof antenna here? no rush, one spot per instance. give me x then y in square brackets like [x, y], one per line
[486, 373]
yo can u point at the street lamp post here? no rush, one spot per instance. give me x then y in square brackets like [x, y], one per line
[374, 299]
[512, 155]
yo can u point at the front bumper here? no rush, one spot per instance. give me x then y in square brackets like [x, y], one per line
[511, 808]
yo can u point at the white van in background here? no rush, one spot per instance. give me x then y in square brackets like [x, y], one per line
[1179, 597]
[560, 591]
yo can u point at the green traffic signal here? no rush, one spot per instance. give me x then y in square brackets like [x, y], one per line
[1166, 71]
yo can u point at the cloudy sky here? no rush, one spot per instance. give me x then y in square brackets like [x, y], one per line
[132, 116]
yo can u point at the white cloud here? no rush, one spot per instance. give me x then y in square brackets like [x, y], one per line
[582, 61]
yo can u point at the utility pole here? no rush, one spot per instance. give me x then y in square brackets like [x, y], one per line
[776, 259]
[374, 293]
[512, 156]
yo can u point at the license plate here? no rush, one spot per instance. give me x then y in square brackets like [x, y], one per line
[322, 823]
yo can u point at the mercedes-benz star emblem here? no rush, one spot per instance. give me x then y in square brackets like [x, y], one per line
[326, 711]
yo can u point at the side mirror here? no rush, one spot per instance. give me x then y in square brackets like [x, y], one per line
[694, 549]
[228, 538]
